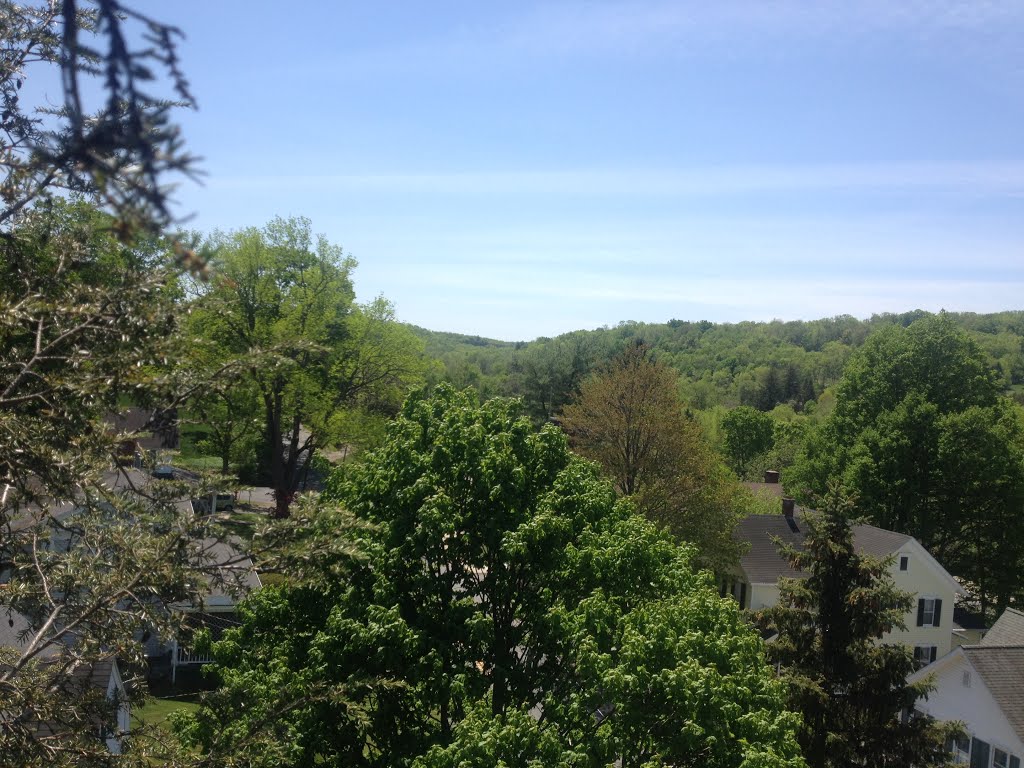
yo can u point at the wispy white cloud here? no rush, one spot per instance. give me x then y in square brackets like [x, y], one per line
[994, 178]
[533, 304]
[685, 29]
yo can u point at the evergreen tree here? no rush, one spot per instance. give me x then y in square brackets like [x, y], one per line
[851, 689]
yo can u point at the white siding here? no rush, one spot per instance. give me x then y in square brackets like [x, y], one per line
[763, 596]
[973, 706]
[922, 579]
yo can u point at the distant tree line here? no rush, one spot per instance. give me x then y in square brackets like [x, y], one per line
[761, 365]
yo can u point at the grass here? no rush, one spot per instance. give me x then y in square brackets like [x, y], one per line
[242, 524]
[156, 712]
[198, 462]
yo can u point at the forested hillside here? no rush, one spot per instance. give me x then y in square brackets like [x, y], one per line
[762, 365]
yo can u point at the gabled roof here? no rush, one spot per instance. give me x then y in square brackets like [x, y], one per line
[762, 563]
[16, 631]
[1008, 629]
[1001, 668]
[878, 542]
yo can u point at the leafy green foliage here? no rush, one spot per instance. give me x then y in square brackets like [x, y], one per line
[90, 552]
[921, 437]
[849, 688]
[502, 607]
[748, 433]
[280, 314]
[760, 365]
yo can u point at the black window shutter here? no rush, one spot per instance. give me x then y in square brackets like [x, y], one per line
[979, 753]
[938, 613]
[1014, 762]
[935, 650]
[920, 611]
[743, 594]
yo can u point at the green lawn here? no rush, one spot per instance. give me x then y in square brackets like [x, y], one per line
[156, 711]
[198, 462]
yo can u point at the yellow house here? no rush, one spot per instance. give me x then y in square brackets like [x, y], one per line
[929, 624]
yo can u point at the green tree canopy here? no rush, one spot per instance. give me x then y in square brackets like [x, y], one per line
[899, 441]
[281, 313]
[507, 607]
[748, 434]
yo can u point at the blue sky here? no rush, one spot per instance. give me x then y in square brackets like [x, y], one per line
[524, 169]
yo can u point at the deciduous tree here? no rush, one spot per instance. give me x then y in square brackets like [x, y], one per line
[509, 608]
[282, 306]
[748, 433]
[898, 440]
[629, 419]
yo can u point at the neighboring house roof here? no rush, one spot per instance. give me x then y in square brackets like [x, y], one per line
[878, 541]
[16, 632]
[1008, 629]
[236, 568]
[152, 430]
[97, 674]
[1002, 670]
[229, 571]
[762, 563]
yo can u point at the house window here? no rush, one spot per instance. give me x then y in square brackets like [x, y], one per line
[929, 612]
[904, 562]
[999, 758]
[980, 753]
[966, 679]
[924, 654]
[960, 749]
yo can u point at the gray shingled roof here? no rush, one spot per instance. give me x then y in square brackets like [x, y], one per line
[878, 541]
[1002, 670]
[1008, 629]
[762, 563]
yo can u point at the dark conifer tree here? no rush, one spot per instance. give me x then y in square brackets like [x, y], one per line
[850, 688]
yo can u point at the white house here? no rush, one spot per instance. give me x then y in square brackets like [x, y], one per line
[982, 686]
[237, 578]
[104, 674]
[756, 583]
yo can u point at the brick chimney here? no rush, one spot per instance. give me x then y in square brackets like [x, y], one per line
[771, 476]
[788, 506]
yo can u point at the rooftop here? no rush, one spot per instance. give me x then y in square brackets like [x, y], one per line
[1008, 629]
[1001, 668]
[762, 563]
